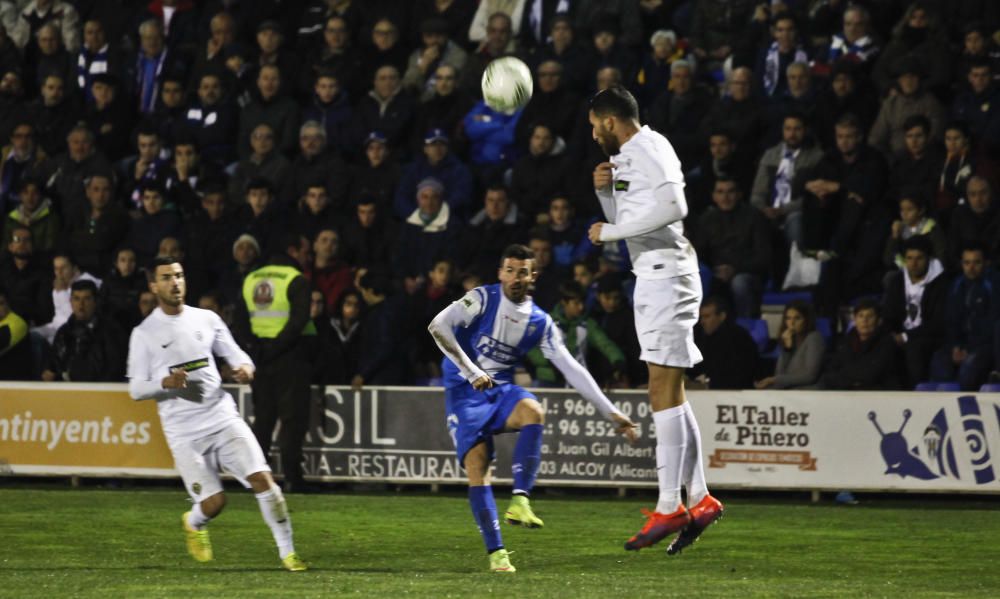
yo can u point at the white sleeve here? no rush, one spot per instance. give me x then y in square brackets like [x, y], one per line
[576, 375]
[226, 347]
[141, 383]
[477, 29]
[663, 205]
[460, 313]
[607, 200]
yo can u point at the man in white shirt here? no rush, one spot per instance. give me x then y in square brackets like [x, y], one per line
[171, 360]
[641, 191]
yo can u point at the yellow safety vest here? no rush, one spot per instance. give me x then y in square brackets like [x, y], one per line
[18, 330]
[265, 292]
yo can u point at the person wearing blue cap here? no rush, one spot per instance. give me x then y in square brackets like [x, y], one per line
[438, 162]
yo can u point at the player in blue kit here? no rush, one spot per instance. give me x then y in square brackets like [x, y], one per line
[484, 336]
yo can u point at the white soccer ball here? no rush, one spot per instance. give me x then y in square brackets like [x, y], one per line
[507, 84]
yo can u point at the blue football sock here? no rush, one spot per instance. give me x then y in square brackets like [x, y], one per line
[484, 509]
[527, 455]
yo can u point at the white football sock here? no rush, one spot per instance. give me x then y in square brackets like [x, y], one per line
[671, 442]
[275, 512]
[694, 469]
[197, 518]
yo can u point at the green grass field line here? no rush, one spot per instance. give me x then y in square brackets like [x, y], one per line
[127, 543]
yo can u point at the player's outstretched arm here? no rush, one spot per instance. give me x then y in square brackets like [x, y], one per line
[664, 205]
[459, 314]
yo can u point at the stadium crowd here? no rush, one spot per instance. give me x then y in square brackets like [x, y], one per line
[845, 154]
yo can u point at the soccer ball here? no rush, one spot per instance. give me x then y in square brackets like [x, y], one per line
[507, 84]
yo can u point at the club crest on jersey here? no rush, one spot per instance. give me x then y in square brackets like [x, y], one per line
[196, 487]
[621, 185]
[531, 329]
[263, 294]
[197, 335]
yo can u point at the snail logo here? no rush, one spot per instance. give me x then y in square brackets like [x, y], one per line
[935, 456]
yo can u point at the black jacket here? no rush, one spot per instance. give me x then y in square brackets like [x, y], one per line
[91, 351]
[730, 356]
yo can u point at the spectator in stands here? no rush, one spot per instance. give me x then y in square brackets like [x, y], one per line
[453, 18]
[429, 233]
[499, 42]
[978, 105]
[89, 347]
[800, 98]
[15, 351]
[973, 311]
[498, 225]
[109, 116]
[147, 166]
[65, 272]
[729, 353]
[564, 231]
[435, 49]
[121, 288]
[147, 303]
[657, 66]
[443, 110]
[336, 56]
[264, 162]
[92, 236]
[53, 113]
[801, 350]
[722, 161]
[740, 113]
[339, 333]
[27, 282]
[171, 111]
[771, 66]
[867, 355]
[975, 221]
[367, 237]
[313, 212]
[381, 355]
[716, 27]
[541, 173]
[35, 212]
[552, 103]
[12, 100]
[22, 158]
[378, 174]
[423, 306]
[849, 93]
[606, 51]
[733, 238]
[777, 188]
[959, 164]
[917, 35]
[152, 61]
[385, 49]
[387, 109]
[269, 107]
[545, 290]
[245, 258]
[271, 51]
[211, 55]
[678, 112]
[976, 46]
[491, 139]
[841, 189]
[211, 231]
[260, 216]
[438, 162]
[911, 98]
[917, 166]
[582, 335]
[38, 13]
[914, 307]
[328, 272]
[48, 57]
[317, 162]
[153, 225]
[186, 175]
[857, 43]
[330, 107]
[212, 120]
[513, 9]
[561, 47]
[913, 222]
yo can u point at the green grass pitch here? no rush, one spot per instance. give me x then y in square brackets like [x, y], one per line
[128, 543]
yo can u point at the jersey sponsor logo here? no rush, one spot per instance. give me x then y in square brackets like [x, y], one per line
[192, 365]
[496, 350]
[621, 185]
[263, 294]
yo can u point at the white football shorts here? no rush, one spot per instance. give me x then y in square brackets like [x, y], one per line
[666, 311]
[232, 449]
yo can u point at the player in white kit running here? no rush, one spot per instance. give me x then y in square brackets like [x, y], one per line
[171, 360]
[641, 191]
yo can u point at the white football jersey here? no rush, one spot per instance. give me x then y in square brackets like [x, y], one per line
[188, 341]
[646, 207]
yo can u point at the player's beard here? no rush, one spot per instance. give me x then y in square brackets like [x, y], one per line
[608, 143]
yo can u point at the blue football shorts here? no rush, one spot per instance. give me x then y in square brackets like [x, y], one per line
[475, 416]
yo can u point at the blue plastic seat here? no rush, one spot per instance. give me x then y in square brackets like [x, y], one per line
[780, 298]
[935, 386]
[990, 388]
[758, 331]
[825, 328]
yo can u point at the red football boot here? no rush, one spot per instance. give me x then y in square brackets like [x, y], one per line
[708, 510]
[658, 527]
